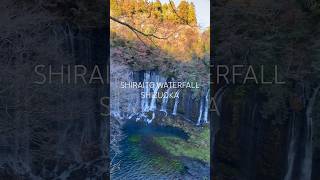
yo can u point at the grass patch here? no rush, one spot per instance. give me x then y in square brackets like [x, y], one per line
[197, 146]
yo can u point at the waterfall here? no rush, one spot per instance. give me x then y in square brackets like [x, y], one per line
[175, 108]
[206, 108]
[125, 102]
[132, 110]
[291, 151]
[156, 79]
[153, 116]
[307, 160]
[144, 101]
[204, 105]
[143, 107]
[200, 111]
[115, 111]
[165, 101]
[153, 105]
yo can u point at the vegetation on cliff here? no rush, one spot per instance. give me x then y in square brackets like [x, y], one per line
[160, 36]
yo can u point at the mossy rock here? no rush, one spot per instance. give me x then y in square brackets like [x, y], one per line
[196, 147]
[135, 138]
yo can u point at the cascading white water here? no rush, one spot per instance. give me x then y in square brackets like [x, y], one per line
[156, 80]
[145, 100]
[165, 101]
[147, 104]
[153, 116]
[307, 160]
[115, 110]
[200, 112]
[291, 152]
[175, 108]
[132, 110]
[125, 102]
[206, 107]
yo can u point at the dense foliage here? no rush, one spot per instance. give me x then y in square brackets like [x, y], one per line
[163, 26]
[184, 13]
[160, 36]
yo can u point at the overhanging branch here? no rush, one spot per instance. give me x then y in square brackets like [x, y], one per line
[140, 32]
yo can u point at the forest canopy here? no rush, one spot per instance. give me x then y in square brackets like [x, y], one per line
[170, 27]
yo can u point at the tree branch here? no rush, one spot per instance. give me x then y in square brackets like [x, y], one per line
[140, 32]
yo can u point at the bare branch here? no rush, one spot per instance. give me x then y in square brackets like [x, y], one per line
[142, 33]
[140, 38]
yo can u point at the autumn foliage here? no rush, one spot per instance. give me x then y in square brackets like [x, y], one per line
[166, 26]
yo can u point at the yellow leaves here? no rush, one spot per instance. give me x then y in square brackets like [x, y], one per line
[181, 41]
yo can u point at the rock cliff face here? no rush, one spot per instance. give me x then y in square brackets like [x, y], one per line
[52, 130]
[129, 102]
[246, 145]
[264, 131]
[249, 146]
